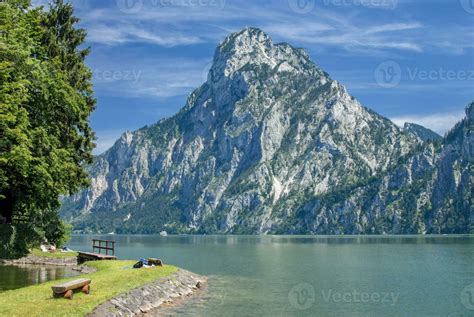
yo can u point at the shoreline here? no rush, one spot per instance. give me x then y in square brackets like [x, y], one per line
[42, 260]
[140, 300]
[164, 292]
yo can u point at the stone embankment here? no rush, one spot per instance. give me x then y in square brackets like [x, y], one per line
[40, 260]
[150, 297]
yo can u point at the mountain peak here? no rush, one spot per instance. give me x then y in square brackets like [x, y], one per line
[250, 45]
[248, 37]
[253, 47]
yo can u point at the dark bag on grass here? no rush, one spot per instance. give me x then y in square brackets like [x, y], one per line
[138, 265]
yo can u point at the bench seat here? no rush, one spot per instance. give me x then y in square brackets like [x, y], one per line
[66, 289]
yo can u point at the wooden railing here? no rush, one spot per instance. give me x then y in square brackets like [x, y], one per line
[103, 245]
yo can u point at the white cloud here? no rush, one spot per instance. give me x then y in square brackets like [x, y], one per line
[173, 25]
[347, 35]
[105, 140]
[393, 27]
[439, 122]
[123, 33]
[176, 25]
[155, 77]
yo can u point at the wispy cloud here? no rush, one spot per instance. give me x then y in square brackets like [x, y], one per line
[159, 25]
[348, 36]
[167, 48]
[393, 27]
[439, 122]
[169, 24]
[119, 34]
[155, 77]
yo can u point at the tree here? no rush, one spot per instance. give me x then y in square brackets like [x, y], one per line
[46, 98]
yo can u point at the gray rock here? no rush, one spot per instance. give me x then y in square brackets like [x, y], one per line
[40, 260]
[272, 144]
[151, 296]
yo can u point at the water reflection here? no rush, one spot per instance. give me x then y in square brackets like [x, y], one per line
[12, 277]
[144, 240]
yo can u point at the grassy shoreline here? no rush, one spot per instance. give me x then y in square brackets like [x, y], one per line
[110, 279]
[55, 255]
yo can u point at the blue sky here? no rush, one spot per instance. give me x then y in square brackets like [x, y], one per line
[409, 60]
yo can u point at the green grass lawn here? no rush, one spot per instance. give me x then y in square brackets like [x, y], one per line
[111, 279]
[56, 255]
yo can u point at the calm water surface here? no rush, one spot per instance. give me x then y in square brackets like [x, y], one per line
[316, 276]
[12, 277]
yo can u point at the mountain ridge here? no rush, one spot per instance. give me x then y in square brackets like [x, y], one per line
[421, 132]
[256, 149]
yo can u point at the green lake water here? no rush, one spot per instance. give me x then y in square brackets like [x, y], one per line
[12, 277]
[316, 275]
[304, 275]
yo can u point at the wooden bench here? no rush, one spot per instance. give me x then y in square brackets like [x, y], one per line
[66, 289]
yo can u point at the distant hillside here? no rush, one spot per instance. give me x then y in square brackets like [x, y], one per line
[422, 132]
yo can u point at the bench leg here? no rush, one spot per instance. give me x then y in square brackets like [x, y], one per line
[68, 294]
[86, 289]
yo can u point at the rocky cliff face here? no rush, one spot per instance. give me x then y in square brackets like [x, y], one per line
[271, 144]
[428, 192]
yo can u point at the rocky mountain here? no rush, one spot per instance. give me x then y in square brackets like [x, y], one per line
[270, 143]
[421, 132]
[430, 191]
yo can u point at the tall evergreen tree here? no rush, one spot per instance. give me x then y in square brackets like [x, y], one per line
[46, 98]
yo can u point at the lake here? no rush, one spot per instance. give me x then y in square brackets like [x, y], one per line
[12, 277]
[315, 275]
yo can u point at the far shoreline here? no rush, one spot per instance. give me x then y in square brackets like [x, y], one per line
[277, 235]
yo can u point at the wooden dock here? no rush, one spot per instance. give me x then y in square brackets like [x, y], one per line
[89, 256]
[99, 245]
